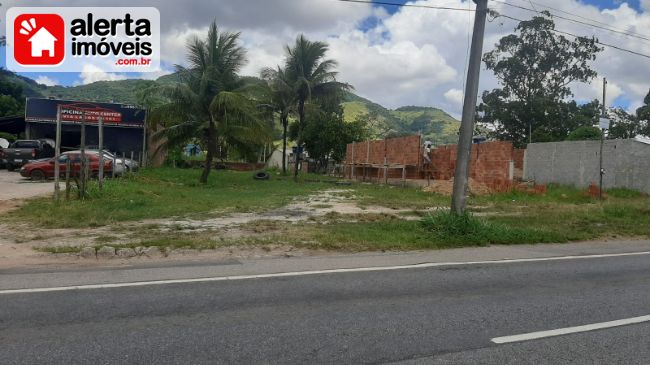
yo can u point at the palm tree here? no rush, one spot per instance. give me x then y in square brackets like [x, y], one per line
[206, 103]
[282, 99]
[310, 75]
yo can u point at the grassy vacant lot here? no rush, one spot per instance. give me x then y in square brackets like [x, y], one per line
[166, 192]
[562, 214]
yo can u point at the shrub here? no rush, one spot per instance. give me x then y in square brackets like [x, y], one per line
[466, 229]
[584, 133]
[8, 136]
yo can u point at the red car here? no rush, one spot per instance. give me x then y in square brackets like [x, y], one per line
[44, 169]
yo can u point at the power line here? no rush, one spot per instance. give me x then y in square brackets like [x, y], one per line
[613, 30]
[519, 20]
[531, 5]
[577, 16]
[405, 5]
[578, 36]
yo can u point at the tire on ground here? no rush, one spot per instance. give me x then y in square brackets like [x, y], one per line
[262, 175]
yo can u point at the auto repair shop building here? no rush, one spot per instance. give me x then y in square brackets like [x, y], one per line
[123, 124]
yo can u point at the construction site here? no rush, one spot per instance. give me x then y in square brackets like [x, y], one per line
[494, 167]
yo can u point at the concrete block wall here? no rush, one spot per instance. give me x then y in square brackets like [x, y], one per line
[626, 163]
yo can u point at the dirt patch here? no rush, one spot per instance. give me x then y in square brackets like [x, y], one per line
[14, 189]
[18, 240]
[446, 187]
[9, 205]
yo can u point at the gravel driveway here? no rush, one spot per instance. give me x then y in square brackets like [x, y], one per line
[15, 187]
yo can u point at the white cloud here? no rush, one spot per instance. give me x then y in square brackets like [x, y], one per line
[455, 96]
[93, 73]
[415, 56]
[645, 5]
[42, 79]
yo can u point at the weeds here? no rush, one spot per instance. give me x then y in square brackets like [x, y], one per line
[465, 229]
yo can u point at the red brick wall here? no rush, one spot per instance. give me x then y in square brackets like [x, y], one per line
[489, 164]
[401, 150]
[518, 157]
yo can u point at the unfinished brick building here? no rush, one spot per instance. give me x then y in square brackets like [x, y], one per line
[495, 164]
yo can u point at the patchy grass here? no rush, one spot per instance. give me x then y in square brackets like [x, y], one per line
[397, 197]
[57, 249]
[562, 214]
[106, 239]
[321, 206]
[166, 192]
[161, 240]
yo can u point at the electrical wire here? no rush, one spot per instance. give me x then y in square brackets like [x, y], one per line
[613, 30]
[578, 36]
[404, 5]
[578, 16]
[498, 14]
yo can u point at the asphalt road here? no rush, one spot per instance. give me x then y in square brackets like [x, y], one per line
[439, 315]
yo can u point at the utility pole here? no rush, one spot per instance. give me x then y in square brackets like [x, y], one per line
[602, 142]
[461, 175]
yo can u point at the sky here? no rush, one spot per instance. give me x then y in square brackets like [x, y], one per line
[394, 56]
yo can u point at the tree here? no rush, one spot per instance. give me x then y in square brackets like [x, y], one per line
[12, 99]
[585, 133]
[310, 75]
[535, 67]
[327, 134]
[282, 99]
[624, 124]
[206, 103]
[643, 116]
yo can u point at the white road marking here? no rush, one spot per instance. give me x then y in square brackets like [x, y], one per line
[311, 272]
[568, 330]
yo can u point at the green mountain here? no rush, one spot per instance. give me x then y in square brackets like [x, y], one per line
[121, 91]
[434, 124]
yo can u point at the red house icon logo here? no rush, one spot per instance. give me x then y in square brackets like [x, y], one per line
[39, 39]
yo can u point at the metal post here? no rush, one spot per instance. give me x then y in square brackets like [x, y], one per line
[352, 171]
[82, 190]
[114, 165]
[68, 167]
[459, 197]
[602, 142]
[100, 174]
[57, 154]
[144, 141]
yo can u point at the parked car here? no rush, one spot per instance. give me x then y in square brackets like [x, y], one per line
[3, 144]
[44, 168]
[24, 151]
[122, 165]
